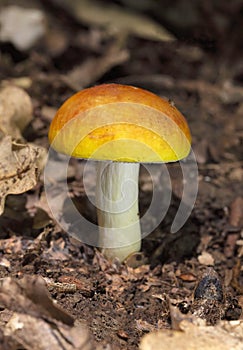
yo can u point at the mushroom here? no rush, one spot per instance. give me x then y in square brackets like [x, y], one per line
[119, 126]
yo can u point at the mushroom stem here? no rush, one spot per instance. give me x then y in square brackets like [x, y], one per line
[117, 209]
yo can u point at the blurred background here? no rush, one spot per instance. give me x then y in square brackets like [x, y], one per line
[131, 36]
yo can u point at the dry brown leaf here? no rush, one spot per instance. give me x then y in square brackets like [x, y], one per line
[15, 110]
[116, 19]
[20, 162]
[27, 332]
[225, 336]
[35, 322]
[20, 165]
[29, 295]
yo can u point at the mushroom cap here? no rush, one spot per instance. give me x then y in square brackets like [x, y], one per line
[120, 123]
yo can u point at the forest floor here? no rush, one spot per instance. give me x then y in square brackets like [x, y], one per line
[120, 303]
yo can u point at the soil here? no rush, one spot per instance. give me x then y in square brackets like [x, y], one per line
[203, 75]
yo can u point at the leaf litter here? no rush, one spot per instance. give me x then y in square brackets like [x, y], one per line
[121, 303]
[21, 162]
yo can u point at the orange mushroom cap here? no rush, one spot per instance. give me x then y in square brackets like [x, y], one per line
[120, 123]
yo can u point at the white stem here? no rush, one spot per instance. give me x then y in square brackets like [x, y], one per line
[117, 209]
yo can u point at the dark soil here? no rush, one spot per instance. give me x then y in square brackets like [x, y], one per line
[202, 74]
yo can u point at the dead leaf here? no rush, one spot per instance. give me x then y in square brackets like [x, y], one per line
[30, 333]
[20, 162]
[122, 334]
[16, 110]
[29, 295]
[36, 322]
[20, 166]
[187, 277]
[116, 19]
[227, 335]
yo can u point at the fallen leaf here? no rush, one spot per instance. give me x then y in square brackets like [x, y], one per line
[225, 336]
[29, 295]
[20, 167]
[30, 333]
[115, 19]
[35, 321]
[122, 334]
[187, 277]
[16, 111]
